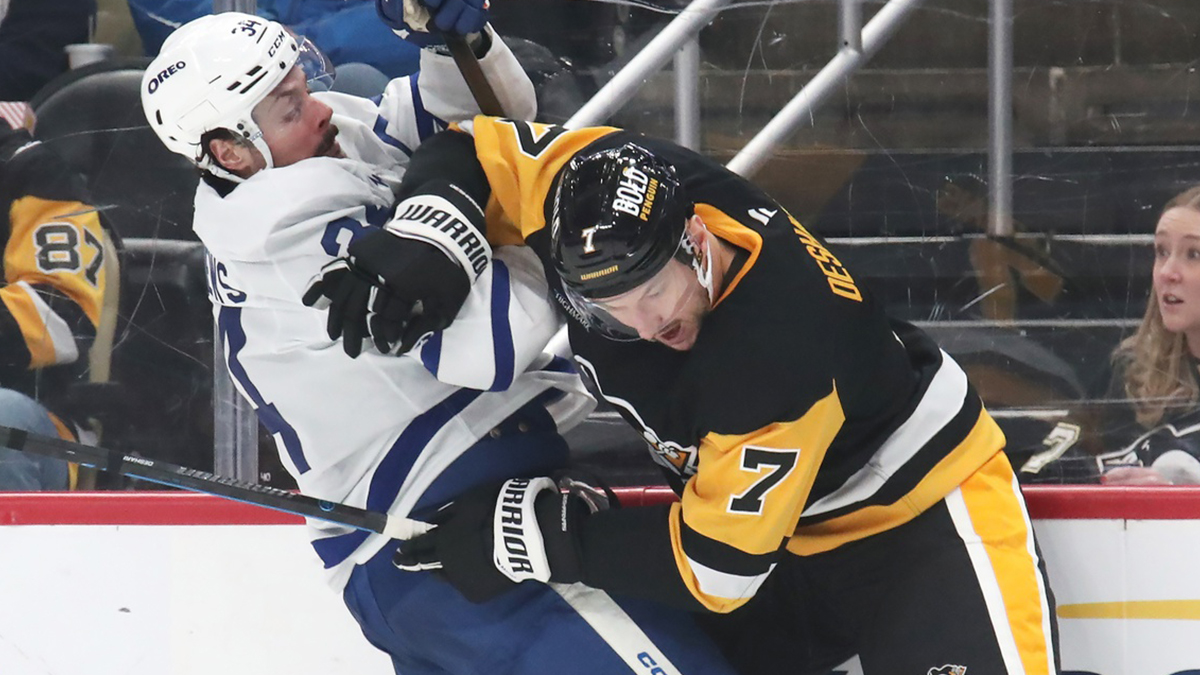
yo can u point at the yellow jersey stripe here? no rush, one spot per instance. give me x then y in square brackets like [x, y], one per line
[941, 403]
[521, 178]
[983, 442]
[733, 232]
[1157, 610]
[1000, 525]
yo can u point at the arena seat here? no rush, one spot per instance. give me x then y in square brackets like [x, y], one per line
[159, 401]
[93, 117]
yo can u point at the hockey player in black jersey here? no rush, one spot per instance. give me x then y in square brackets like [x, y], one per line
[842, 489]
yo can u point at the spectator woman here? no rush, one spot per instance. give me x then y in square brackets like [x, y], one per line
[1157, 368]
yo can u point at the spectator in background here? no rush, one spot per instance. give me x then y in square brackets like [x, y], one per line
[364, 50]
[53, 295]
[33, 34]
[1157, 367]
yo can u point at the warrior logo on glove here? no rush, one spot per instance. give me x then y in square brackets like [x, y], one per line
[523, 555]
[496, 536]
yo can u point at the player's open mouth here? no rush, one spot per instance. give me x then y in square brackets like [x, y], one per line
[1171, 299]
[671, 332]
[329, 146]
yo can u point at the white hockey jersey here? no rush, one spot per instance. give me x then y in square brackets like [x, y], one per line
[376, 431]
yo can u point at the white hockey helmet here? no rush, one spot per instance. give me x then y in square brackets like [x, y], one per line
[209, 74]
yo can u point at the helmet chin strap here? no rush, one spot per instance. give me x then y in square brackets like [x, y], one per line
[702, 264]
[261, 143]
[257, 140]
[706, 275]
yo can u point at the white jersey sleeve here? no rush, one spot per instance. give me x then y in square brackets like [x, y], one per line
[445, 94]
[502, 328]
[417, 106]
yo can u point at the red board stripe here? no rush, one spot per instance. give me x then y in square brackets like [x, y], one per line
[132, 508]
[1084, 502]
[183, 508]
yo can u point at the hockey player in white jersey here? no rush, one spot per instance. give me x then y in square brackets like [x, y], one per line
[293, 182]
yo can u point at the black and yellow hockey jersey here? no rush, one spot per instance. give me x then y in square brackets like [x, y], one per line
[801, 420]
[54, 270]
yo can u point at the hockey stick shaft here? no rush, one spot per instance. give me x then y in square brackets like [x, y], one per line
[173, 475]
[472, 72]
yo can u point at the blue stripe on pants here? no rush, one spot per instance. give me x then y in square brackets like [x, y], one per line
[429, 629]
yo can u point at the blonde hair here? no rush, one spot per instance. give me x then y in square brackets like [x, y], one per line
[1155, 360]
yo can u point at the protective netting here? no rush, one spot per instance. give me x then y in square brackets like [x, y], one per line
[892, 169]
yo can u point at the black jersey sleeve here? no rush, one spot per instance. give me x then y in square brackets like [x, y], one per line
[628, 552]
[448, 156]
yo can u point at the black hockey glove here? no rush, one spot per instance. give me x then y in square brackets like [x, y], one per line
[406, 280]
[392, 290]
[496, 536]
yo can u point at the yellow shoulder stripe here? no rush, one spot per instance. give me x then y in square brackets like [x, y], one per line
[983, 442]
[521, 160]
[721, 224]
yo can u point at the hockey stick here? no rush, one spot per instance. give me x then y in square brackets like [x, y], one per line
[471, 71]
[173, 475]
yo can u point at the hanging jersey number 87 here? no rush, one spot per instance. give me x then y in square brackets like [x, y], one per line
[58, 249]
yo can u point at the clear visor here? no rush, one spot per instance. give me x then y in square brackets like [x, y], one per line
[650, 310]
[318, 69]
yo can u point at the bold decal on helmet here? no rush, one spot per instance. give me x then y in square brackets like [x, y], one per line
[632, 193]
[649, 203]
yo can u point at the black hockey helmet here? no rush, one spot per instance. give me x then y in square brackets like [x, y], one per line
[619, 215]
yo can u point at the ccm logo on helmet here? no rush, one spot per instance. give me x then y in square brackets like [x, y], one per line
[635, 193]
[164, 74]
[275, 45]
